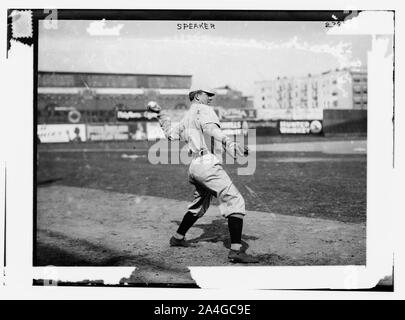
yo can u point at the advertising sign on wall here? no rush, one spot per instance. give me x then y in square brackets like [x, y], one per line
[107, 132]
[236, 114]
[154, 131]
[234, 127]
[135, 115]
[316, 126]
[138, 131]
[52, 133]
[300, 127]
[295, 127]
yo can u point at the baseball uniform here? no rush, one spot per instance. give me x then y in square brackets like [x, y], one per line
[205, 172]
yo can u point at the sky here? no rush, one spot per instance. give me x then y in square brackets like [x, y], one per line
[233, 53]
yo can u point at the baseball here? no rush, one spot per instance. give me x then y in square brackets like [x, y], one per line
[153, 106]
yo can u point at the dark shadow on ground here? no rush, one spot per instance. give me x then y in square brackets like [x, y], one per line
[48, 182]
[217, 231]
[99, 256]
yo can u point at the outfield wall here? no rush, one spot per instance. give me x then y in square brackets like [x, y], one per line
[150, 130]
[344, 122]
[76, 133]
[335, 122]
[138, 131]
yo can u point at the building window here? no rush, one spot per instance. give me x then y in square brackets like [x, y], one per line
[335, 103]
[263, 98]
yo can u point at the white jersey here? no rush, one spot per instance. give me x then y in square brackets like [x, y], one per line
[191, 127]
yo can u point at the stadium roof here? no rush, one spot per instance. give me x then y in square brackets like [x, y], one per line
[114, 74]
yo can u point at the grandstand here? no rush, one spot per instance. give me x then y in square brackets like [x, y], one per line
[76, 97]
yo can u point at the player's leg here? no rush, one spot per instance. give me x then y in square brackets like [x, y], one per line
[231, 205]
[200, 204]
[235, 225]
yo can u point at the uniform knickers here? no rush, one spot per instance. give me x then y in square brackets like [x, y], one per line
[210, 179]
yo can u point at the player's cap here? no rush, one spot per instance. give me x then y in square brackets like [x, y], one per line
[207, 90]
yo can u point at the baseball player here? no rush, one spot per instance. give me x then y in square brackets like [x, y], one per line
[206, 172]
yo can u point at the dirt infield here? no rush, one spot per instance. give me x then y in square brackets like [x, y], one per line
[88, 227]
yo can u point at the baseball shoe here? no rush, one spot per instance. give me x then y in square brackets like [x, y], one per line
[241, 257]
[179, 243]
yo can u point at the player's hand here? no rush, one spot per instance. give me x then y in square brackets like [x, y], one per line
[245, 151]
[154, 107]
[239, 150]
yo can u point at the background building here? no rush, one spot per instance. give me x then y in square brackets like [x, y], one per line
[96, 96]
[307, 97]
[229, 98]
[81, 106]
[78, 97]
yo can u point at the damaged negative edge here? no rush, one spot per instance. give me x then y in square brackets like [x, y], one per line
[387, 283]
[21, 22]
[103, 276]
[96, 276]
[100, 283]
[81, 276]
[20, 27]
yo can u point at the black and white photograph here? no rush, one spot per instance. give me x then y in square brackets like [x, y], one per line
[168, 142]
[100, 200]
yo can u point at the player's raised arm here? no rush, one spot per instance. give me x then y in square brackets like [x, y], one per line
[171, 133]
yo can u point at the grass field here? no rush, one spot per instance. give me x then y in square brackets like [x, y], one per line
[308, 184]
